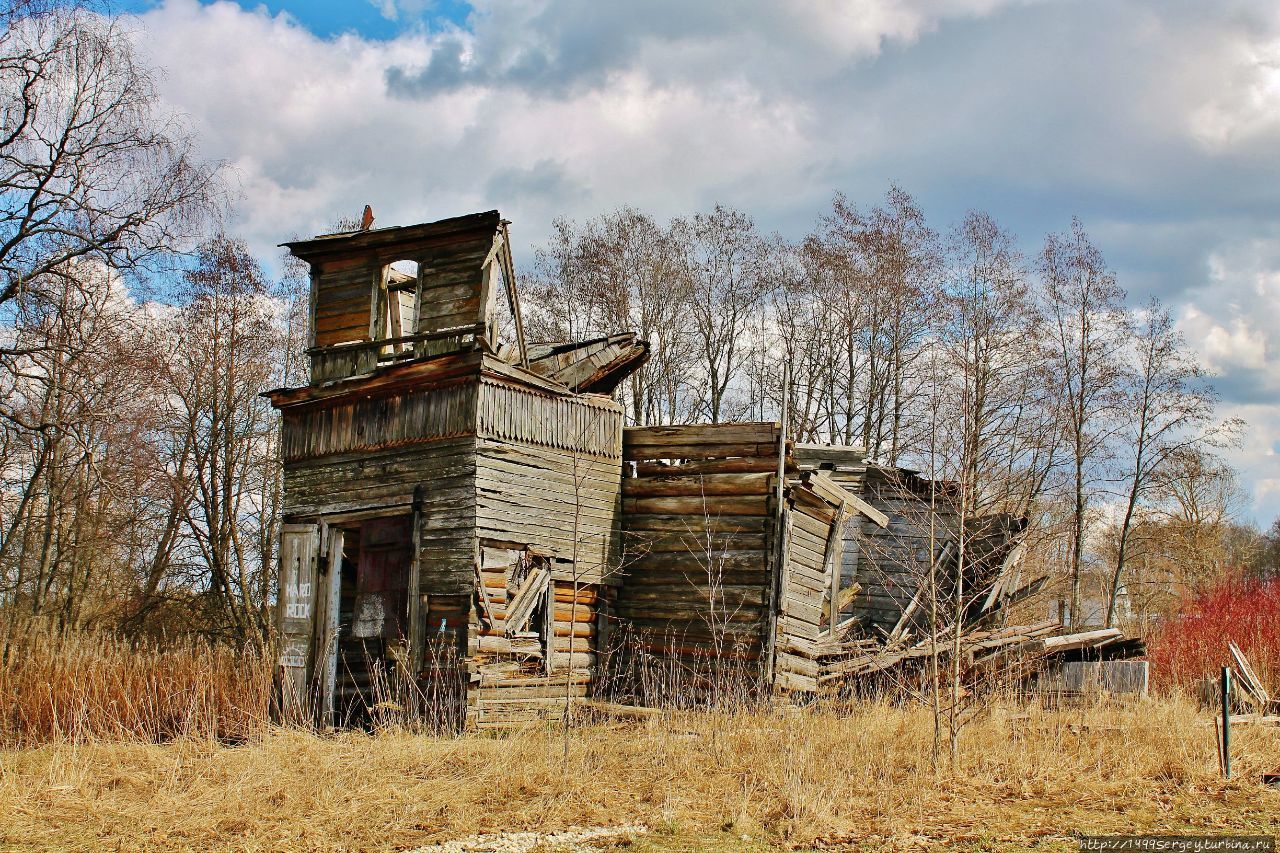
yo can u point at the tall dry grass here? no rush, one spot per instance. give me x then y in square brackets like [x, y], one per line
[109, 743]
[88, 685]
[863, 774]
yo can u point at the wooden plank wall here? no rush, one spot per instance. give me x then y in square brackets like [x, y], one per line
[343, 297]
[449, 283]
[697, 538]
[894, 561]
[548, 467]
[347, 280]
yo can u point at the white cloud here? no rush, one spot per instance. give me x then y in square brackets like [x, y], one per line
[1227, 344]
[1229, 319]
[1250, 107]
[1257, 459]
[1155, 121]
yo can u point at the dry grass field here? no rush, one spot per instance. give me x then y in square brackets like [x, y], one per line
[861, 775]
[109, 744]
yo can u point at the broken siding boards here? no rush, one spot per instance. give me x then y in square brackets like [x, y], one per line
[697, 541]
[846, 466]
[806, 585]
[508, 664]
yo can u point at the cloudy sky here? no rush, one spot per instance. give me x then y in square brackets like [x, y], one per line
[1156, 121]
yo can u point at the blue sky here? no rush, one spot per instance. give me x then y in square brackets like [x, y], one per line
[1155, 121]
[329, 18]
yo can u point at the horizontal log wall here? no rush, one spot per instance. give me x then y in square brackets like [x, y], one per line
[697, 537]
[450, 279]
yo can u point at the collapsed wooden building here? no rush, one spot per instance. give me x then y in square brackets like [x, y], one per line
[466, 512]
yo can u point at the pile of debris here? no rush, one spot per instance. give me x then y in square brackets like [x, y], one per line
[1250, 691]
[1012, 652]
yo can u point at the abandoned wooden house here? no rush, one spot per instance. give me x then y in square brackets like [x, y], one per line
[466, 509]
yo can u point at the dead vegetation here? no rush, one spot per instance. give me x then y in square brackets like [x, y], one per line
[73, 686]
[828, 774]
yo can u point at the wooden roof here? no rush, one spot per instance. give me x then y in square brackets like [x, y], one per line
[387, 238]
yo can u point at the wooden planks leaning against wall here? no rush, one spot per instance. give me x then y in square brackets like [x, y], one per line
[515, 676]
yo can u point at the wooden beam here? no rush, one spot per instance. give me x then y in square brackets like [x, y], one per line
[526, 600]
[835, 494]
[513, 296]
[833, 540]
[1084, 639]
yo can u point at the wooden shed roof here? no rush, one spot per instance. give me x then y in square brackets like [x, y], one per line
[381, 238]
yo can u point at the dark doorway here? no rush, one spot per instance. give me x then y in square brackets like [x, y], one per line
[373, 620]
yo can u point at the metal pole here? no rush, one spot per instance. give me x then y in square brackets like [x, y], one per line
[1226, 722]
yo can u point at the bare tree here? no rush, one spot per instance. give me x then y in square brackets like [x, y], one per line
[1000, 428]
[225, 351]
[90, 165]
[74, 417]
[622, 272]
[1085, 315]
[1198, 499]
[1169, 410]
[724, 259]
[987, 418]
[884, 264]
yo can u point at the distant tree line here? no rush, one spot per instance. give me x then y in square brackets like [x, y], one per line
[1026, 380]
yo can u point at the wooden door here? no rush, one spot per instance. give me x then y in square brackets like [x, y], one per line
[299, 554]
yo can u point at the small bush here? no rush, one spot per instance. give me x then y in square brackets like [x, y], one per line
[1192, 645]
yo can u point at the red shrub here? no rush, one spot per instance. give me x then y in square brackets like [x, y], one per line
[1193, 644]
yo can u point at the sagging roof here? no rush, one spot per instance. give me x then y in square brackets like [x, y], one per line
[595, 366]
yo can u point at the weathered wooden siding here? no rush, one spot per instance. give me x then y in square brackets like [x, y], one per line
[846, 465]
[344, 288]
[586, 425]
[894, 561]
[380, 422]
[547, 468]
[698, 537]
[450, 278]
